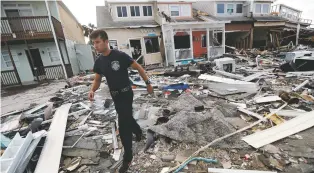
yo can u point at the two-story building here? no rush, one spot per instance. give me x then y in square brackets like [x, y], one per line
[29, 52]
[251, 20]
[169, 32]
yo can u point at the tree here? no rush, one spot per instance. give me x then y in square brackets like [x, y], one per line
[88, 29]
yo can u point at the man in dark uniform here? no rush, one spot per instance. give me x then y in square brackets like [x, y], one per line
[114, 64]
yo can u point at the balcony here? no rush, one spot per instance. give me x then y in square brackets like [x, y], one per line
[29, 28]
[289, 13]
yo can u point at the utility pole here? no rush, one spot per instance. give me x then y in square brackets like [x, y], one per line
[55, 39]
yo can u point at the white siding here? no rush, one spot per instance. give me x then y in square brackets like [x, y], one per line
[206, 6]
[115, 17]
[234, 14]
[24, 68]
[164, 7]
[38, 7]
[123, 36]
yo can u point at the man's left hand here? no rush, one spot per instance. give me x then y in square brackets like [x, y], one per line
[150, 89]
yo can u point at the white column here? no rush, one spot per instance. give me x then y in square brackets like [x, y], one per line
[223, 40]
[165, 45]
[207, 43]
[173, 49]
[297, 37]
[191, 42]
[55, 38]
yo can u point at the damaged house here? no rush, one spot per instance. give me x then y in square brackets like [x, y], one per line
[169, 32]
[30, 53]
[254, 24]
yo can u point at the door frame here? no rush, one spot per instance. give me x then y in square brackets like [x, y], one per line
[28, 58]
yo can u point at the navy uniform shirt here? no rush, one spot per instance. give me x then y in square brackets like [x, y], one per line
[115, 68]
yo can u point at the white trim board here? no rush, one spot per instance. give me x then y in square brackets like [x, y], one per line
[49, 159]
[278, 132]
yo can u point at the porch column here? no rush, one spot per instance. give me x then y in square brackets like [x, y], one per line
[191, 42]
[223, 40]
[13, 63]
[32, 62]
[251, 38]
[165, 45]
[207, 43]
[173, 48]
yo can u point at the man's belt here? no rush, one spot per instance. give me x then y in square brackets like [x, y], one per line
[116, 92]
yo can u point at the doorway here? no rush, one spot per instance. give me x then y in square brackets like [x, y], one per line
[38, 66]
[136, 49]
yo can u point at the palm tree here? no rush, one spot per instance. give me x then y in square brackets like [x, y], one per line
[88, 29]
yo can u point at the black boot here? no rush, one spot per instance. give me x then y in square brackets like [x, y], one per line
[125, 166]
[138, 137]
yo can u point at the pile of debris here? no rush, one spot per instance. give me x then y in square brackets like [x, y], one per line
[237, 112]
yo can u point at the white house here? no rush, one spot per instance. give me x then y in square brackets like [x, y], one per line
[29, 53]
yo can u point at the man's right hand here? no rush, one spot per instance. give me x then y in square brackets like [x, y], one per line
[91, 95]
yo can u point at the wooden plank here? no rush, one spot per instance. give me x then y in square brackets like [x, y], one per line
[49, 159]
[275, 133]
[219, 170]
[253, 76]
[251, 113]
[267, 99]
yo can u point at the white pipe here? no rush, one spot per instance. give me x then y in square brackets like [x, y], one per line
[55, 39]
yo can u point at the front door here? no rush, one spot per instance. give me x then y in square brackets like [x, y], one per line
[136, 49]
[15, 23]
[38, 66]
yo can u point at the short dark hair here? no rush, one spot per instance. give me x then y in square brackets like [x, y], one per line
[99, 33]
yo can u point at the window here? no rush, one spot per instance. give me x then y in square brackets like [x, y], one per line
[220, 8]
[258, 8]
[239, 8]
[147, 10]
[204, 41]
[122, 11]
[151, 44]
[7, 60]
[53, 55]
[174, 10]
[135, 11]
[230, 8]
[265, 8]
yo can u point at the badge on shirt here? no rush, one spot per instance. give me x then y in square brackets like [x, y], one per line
[115, 65]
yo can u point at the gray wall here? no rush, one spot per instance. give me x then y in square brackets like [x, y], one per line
[84, 56]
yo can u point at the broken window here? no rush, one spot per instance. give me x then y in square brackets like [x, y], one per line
[230, 8]
[147, 10]
[135, 11]
[174, 10]
[203, 40]
[182, 42]
[151, 44]
[220, 8]
[113, 44]
[122, 12]
[239, 8]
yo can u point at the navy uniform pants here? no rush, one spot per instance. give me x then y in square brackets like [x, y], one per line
[127, 125]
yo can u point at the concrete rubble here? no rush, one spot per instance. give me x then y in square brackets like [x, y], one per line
[190, 109]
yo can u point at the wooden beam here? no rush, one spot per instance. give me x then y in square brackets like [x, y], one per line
[32, 60]
[13, 63]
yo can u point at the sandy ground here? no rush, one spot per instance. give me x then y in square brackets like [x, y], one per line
[37, 95]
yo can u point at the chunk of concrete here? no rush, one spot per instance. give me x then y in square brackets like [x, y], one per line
[76, 152]
[168, 158]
